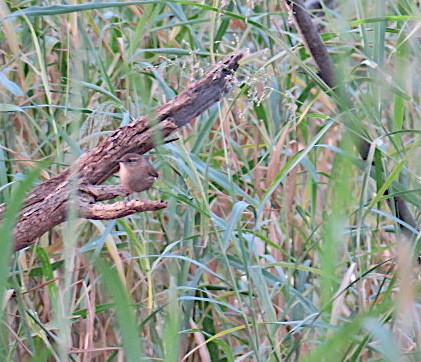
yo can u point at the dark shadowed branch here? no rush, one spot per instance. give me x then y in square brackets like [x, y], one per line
[321, 57]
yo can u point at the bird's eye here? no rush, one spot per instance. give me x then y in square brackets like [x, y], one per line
[131, 160]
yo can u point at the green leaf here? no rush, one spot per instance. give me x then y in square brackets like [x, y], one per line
[126, 317]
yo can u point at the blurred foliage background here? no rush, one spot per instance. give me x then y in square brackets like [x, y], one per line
[277, 244]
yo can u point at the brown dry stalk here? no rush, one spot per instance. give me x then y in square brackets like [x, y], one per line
[321, 57]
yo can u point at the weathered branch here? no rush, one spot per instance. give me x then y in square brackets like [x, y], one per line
[103, 192]
[323, 60]
[120, 209]
[47, 204]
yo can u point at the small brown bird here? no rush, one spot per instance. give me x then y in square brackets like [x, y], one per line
[136, 172]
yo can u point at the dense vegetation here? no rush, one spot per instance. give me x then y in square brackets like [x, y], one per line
[278, 242]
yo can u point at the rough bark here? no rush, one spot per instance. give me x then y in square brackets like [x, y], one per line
[46, 206]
